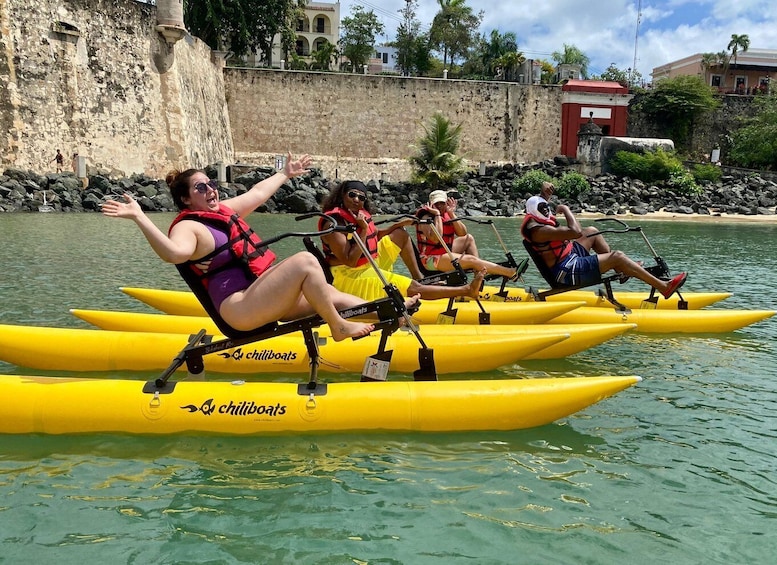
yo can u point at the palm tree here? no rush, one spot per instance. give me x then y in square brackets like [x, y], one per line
[572, 56]
[708, 60]
[496, 46]
[509, 62]
[324, 55]
[435, 161]
[723, 60]
[453, 29]
[737, 42]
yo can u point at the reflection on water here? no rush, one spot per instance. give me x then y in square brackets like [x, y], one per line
[681, 465]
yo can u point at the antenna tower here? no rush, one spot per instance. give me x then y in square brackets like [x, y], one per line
[636, 40]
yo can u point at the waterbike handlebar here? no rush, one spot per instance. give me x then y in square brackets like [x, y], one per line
[475, 220]
[330, 229]
[626, 229]
[417, 220]
[394, 219]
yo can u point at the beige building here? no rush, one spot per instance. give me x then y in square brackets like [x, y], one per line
[752, 71]
[319, 23]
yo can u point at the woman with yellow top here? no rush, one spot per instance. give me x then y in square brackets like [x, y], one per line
[348, 204]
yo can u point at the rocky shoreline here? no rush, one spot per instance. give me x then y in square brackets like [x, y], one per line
[737, 193]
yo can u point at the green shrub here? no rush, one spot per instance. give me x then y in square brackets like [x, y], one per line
[648, 167]
[684, 183]
[658, 165]
[754, 145]
[572, 185]
[628, 164]
[531, 182]
[706, 172]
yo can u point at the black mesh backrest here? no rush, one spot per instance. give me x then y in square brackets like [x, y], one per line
[540, 264]
[318, 254]
[194, 283]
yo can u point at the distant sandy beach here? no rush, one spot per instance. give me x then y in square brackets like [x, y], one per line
[706, 218]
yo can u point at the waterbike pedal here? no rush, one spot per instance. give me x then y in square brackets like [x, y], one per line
[380, 326]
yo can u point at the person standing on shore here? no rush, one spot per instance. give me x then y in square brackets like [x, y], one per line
[60, 160]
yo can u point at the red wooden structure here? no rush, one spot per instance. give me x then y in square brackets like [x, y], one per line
[607, 101]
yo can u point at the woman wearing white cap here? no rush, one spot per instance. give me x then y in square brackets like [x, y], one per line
[442, 210]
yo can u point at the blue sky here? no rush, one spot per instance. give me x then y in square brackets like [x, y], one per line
[606, 30]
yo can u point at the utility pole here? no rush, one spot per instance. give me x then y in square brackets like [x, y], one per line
[636, 40]
[408, 14]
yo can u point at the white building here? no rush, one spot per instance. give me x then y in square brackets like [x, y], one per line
[384, 60]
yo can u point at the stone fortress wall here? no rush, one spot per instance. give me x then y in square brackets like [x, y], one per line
[95, 77]
[352, 121]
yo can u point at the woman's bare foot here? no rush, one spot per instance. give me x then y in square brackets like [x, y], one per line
[476, 284]
[412, 301]
[410, 304]
[345, 329]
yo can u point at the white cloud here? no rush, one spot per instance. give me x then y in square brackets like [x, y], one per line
[605, 30]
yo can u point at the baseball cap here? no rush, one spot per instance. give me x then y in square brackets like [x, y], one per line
[437, 196]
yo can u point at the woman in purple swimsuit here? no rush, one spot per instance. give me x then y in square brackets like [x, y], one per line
[289, 289]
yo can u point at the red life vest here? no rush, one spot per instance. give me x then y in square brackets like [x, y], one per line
[560, 249]
[371, 241]
[426, 246]
[242, 243]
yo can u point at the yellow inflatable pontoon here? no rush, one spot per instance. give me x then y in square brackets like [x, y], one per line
[60, 405]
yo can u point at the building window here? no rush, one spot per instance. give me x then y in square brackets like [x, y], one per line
[300, 24]
[741, 84]
[715, 80]
[384, 58]
[320, 24]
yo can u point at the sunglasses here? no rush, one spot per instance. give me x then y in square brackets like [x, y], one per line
[353, 195]
[202, 187]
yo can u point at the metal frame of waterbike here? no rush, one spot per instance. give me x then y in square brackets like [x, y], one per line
[659, 270]
[520, 268]
[389, 310]
[426, 370]
[457, 277]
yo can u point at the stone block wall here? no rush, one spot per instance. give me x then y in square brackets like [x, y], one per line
[370, 117]
[708, 131]
[95, 77]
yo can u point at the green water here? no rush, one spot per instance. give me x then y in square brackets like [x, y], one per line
[680, 468]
